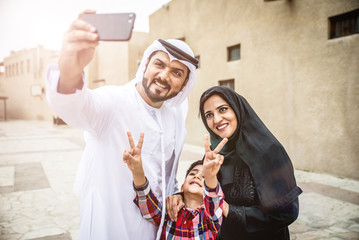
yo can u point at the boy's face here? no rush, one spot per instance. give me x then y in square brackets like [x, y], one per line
[194, 182]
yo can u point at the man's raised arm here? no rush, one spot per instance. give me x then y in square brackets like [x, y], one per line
[77, 51]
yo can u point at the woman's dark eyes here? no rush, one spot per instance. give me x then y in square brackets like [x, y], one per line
[222, 109]
[208, 115]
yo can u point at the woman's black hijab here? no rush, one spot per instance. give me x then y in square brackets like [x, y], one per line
[252, 142]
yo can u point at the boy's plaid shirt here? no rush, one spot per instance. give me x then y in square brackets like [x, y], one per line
[201, 223]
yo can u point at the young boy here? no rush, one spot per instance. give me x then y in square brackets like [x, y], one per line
[201, 215]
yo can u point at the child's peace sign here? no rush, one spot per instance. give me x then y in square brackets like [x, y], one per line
[132, 157]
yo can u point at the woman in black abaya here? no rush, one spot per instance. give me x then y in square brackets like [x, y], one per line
[257, 177]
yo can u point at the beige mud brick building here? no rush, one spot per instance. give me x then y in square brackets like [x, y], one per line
[22, 82]
[286, 58]
[295, 61]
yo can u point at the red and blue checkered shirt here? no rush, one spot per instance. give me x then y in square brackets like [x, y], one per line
[201, 223]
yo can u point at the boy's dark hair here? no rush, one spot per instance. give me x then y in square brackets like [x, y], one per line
[198, 162]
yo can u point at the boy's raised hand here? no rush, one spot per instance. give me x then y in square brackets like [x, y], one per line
[212, 162]
[133, 160]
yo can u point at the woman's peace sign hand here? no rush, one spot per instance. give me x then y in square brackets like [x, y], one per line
[212, 160]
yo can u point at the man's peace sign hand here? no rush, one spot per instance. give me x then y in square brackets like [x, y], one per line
[212, 160]
[133, 160]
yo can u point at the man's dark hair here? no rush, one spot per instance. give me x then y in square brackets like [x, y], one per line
[198, 162]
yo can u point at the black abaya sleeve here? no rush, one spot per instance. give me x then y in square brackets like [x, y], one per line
[254, 219]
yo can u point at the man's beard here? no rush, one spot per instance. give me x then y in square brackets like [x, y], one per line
[153, 96]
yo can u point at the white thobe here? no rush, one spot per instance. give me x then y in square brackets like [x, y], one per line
[106, 114]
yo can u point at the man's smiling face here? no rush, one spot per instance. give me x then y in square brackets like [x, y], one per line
[162, 78]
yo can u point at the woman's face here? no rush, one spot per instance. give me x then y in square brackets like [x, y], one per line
[219, 116]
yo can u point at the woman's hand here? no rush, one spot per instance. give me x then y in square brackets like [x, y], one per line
[212, 162]
[225, 208]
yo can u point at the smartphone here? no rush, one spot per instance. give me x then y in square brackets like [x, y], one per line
[112, 26]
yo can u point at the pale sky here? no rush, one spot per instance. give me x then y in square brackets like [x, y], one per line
[28, 23]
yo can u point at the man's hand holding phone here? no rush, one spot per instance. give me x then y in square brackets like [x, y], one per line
[81, 40]
[78, 47]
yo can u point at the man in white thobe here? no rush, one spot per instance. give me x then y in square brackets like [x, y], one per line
[155, 103]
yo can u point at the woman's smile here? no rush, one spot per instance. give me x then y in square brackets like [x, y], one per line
[220, 117]
[222, 127]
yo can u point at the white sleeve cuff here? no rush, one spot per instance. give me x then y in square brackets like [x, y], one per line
[53, 96]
